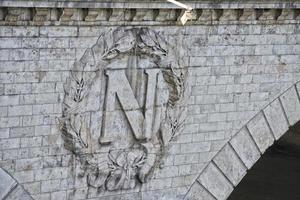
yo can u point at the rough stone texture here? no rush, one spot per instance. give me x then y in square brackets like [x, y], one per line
[291, 105]
[7, 183]
[215, 182]
[260, 131]
[18, 193]
[245, 147]
[198, 192]
[276, 118]
[230, 164]
[237, 64]
[10, 189]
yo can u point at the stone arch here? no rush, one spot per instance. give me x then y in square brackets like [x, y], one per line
[10, 189]
[240, 153]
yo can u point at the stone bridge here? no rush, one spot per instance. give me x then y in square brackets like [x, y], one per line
[118, 100]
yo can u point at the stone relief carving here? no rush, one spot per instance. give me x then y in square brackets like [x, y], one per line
[123, 105]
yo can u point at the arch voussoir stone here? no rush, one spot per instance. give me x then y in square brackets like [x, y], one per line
[10, 189]
[243, 150]
[215, 182]
[7, 184]
[291, 105]
[261, 132]
[198, 192]
[245, 147]
[230, 164]
[276, 118]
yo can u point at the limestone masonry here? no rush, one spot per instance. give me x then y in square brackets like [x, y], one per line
[118, 100]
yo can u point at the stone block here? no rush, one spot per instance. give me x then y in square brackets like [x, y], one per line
[198, 90]
[29, 163]
[25, 31]
[217, 117]
[26, 77]
[4, 54]
[10, 154]
[91, 31]
[20, 110]
[4, 133]
[33, 188]
[230, 164]
[7, 183]
[9, 100]
[205, 99]
[184, 170]
[43, 109]
[24, 176]
[6, 122]
[21, 132]
[18, 193]
[24, 54]
[225, 79]
[168, 171]
[61, 195]
[174, 193]
[43, 87]
[276, 119]
[9, 143]
[27, 99]
[157, 184]
[6, 31]
[291, 105]
[10, 43]
[215, 182]
[51, 173]
[260, 131]
[31, 142]
[43, 130]
[259, 96]
[34, 120]
[57, 54]
[44, 196]
[54, 161]
[58, 31]
[245, 147]
[195, 147]
[11, 89]
[47, 98]
[198, 192]
[37, 151]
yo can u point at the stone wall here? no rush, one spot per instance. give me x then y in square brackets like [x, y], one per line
[236, 61]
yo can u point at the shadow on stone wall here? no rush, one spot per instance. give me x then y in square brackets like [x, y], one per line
[276, 175]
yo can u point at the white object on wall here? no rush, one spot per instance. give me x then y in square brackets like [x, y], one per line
[188, 15]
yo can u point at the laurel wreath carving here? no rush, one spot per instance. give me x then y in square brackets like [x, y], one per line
[75, 122]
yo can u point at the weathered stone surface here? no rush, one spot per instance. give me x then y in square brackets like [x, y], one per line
[276, 119]
[215, 182]
[236, 64]
[128, 130]
[291, 105]
[230, 164]
[7, 183]
[260, 131]
[198, 192]
[245, 147]
[18, 193]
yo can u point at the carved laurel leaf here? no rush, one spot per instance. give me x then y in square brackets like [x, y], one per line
[123, 166]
